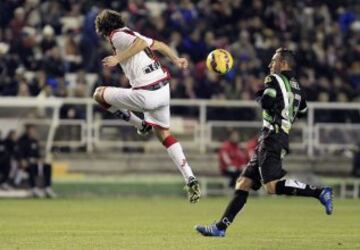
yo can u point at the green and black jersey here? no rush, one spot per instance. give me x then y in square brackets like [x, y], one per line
[282, 101]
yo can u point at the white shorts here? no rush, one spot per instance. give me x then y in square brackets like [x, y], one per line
[153, 103]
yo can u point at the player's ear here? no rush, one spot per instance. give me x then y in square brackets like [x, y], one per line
[284, 64]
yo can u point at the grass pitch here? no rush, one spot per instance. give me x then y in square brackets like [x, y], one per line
[167, 223]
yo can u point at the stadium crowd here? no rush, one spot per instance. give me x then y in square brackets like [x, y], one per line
[44, 41]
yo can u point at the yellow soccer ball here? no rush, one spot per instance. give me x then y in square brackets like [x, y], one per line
[219, 61]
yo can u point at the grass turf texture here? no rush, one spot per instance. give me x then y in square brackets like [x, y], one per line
[167, 223]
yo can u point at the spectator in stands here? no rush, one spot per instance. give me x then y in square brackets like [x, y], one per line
[72, 111]
[38, 83]
[24, 48]
[232, 158]
[48, 40]
[51, 14]
[90, 42]
[54, 64]
[23, 89]
[13, 151]
[7, 68]
[72, 55]
[5, 165]
[18, 22]
[33, 162]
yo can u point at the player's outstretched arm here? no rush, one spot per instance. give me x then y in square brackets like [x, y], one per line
[182, 63]
[137, 46]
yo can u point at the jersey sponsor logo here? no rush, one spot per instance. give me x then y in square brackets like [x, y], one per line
[151, 67]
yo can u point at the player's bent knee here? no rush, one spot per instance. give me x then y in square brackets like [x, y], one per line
[161, 133]
[243, 183]
[97, 94]
[99, 97]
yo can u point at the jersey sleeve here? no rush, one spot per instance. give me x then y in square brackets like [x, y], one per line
[122, 39]
[303, 108]
[148, 40]
[267, 96]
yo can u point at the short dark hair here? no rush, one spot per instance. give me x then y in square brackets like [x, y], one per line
[287, 55]
[107, 21]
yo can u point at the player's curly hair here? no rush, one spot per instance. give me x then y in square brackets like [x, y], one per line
[107, 21]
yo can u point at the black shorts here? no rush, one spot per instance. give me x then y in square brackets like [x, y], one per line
[266, 163]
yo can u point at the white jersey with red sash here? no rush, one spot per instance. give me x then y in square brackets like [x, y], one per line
[143, 68]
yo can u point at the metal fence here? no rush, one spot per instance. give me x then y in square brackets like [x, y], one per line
[202, 124]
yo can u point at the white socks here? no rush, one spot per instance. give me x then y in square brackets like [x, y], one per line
[176, 153]
[127, 115]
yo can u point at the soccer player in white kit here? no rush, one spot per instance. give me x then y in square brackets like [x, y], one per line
[149, 92]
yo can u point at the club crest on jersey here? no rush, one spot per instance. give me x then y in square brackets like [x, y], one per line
[267, 80]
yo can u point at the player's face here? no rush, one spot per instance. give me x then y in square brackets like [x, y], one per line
[275, 64]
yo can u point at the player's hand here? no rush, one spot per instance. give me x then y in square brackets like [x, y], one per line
[182, 63]
[110, 61]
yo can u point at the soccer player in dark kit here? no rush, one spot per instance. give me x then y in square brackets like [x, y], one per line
[282, 101]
